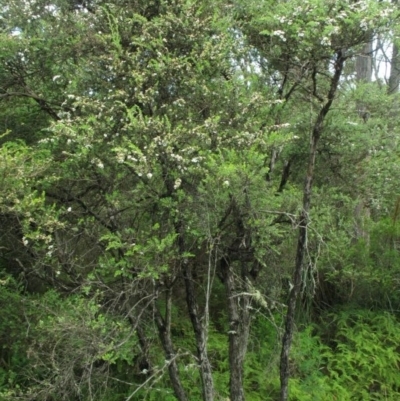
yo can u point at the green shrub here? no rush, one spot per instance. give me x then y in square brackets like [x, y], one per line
[360, 363]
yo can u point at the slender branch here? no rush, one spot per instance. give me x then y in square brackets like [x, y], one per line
[43, 104]
[303, 227]
[166, 365]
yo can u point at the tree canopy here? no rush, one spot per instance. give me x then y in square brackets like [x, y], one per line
[198, 200]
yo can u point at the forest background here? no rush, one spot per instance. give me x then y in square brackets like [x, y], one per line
[199, 200]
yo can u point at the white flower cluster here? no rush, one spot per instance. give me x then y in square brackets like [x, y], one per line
[177, 183]
[123, 155]
[46, 140]
[176, 157]
[160, 142]
[364, 24]
[49, 250]
[280, 34]
[179, 102]
[98, 163]
[245, 138]
[283, 125]
[325, 41]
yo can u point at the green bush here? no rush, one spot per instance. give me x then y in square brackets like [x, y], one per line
[359, 361]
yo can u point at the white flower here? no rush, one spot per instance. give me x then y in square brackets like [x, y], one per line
[225, 184]
[177, 183]
[364, 25]
[325, 41]
[69, 209]
[280, 34]
[149, 175]
[25, 241]
[100, 165]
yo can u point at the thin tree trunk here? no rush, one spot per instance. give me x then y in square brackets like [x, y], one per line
[274, 158]
[238, 302]
[164, 331]
[303, 226]
[394, 78]
[364, 63]
[200, 329]
[199, 324]
[144, 363]
[239, 326]
[364, 74]
[200, 332]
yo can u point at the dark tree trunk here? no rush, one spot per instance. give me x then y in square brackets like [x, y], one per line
[199, 323]
[144, 362]
[200, 332]
[198, 320]
[394, 78]
[285, 175]
[303, 226]
[274, 158]
[164, 331]
[237, 279]
[239, 326]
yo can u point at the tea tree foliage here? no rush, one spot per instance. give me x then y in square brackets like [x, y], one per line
[153, 207]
